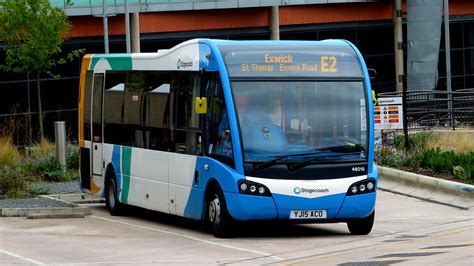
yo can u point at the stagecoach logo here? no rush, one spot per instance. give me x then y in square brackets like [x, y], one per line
[298, 190]
[184, 64]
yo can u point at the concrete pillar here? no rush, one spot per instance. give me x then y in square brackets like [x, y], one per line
[106, 34]
[135, 33]
[274, 23]
[106, 27]
[398, 43]
[127, 28]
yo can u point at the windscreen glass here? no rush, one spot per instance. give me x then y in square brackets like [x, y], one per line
[297, 119]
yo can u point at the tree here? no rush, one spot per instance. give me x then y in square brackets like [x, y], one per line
[33, 32]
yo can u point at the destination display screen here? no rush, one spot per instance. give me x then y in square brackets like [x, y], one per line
[290, 61]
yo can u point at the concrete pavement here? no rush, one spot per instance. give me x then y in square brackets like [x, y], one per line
[427, 188]
[407, 231]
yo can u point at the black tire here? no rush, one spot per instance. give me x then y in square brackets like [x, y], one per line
[114, 206]
[362, 226]
[217, 214]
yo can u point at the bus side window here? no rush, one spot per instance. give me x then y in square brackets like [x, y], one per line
[133, 105]
[113, 107]
[156, 117]
[186, 87]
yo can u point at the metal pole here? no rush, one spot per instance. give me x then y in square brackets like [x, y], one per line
[448, 60]
[405, 116]
[127, 28]
[275, 23]
[398, 44]
[135, 33]
[106, 28]
[60, 136]
[29, 108]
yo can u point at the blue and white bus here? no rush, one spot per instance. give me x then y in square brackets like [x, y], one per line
[225, 131]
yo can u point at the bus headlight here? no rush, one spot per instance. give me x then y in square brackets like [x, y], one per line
[354, 190]
[370, 186]
[361, 187]
[253, 188]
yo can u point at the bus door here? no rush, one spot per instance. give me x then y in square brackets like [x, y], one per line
[97, 134]
[187, 139]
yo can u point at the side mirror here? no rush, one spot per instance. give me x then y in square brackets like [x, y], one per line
[200, 105]
[374, 98]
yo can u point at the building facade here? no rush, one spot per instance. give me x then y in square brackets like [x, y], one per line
[162, 24]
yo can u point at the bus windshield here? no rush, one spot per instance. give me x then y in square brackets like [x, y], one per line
[300, 120]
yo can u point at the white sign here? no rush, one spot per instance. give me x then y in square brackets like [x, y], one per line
[388, 114]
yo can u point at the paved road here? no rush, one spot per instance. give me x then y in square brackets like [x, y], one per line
[407, 231]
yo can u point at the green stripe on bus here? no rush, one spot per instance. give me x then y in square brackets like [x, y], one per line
[116, 61]
[126, 169]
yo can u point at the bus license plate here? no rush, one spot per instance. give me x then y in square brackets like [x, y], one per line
[308, 214]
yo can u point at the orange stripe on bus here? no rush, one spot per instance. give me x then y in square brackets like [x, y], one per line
[82, 85]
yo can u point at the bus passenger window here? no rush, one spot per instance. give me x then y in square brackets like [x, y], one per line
[113, 107]
[156, 117]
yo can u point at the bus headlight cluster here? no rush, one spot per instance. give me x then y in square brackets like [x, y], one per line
[253, 188]
[362, 187]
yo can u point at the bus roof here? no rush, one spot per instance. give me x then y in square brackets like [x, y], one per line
[266, 58]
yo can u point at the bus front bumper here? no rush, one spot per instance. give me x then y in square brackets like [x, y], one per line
[338, 207]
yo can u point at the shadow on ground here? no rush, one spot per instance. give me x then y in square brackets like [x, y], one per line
[264, 229]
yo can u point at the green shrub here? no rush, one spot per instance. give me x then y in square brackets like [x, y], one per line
[72, 155]
[389, 156]
[460, 173]
[38, 191]
[12, 183]
[62, 176]
[461, 166]
[416, 141]
[48, 164]
[466, 160]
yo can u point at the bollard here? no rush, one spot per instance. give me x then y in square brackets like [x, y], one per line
[60, 136]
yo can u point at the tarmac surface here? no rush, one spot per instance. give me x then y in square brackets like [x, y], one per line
[407, 231]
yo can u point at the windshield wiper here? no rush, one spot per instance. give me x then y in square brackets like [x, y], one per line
[302, 164]
[349, 149]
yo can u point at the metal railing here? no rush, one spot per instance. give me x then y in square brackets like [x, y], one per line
[427, 109]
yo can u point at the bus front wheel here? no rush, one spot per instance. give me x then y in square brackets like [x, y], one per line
[361, 226]
[217, 212]
[114, 206]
